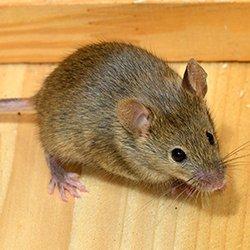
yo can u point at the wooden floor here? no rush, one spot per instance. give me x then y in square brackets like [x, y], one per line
[111, 215]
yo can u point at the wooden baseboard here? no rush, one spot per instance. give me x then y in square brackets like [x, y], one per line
[177, 31]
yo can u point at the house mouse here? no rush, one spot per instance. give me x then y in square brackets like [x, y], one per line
[122, 108]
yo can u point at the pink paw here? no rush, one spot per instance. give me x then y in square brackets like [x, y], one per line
[69, 182]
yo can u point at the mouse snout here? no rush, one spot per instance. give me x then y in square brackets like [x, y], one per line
[211, 180]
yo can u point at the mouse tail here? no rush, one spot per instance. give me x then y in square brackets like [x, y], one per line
[16, 105]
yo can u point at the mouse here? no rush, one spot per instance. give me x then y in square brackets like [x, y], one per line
[122, 108]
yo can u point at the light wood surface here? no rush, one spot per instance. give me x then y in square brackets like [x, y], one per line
[72, 2]
[111, 215]
[47, 31]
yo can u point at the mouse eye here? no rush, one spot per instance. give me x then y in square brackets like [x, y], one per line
[178, 155]
[210, 138]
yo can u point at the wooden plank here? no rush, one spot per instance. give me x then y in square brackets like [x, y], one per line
[72, 2]
[28, 218]
[176, 31]
[112, 215]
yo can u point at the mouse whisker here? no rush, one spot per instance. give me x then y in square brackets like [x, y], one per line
[208, 198]
[147, 204]
[180, 194]
[197, 196]
[230, 156]
[191, 195]
[176, 198]
[194, 194]
[201, 194]
[203, 199]
[234, 175]
[228, 175]
[236, 150]
[233, 159]
[239, 163]
[188, 197]
[236, 168]
[172, 203]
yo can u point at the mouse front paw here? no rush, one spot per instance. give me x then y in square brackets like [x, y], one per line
[64, 181]
[68, 182]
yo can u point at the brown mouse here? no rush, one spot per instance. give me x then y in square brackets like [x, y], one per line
[122, 108]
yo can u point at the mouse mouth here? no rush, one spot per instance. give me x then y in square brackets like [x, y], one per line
[197, 186]
[180, 187]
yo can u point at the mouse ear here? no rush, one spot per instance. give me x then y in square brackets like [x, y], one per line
[133, 116]
[194, 79]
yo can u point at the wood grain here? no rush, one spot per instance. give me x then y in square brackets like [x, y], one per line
[47, 31]
[72, 2]
[112, 215]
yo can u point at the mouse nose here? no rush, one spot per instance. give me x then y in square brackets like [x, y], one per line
[211, 181]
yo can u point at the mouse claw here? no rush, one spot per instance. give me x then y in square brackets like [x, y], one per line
[63, 194]
[72, 191]
[64, 188]
[66, 183]
[77, 184]
[51, 186]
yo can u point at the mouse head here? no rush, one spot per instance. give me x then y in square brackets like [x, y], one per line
[175, 136]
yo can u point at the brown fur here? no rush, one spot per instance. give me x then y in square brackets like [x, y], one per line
[77, 115]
